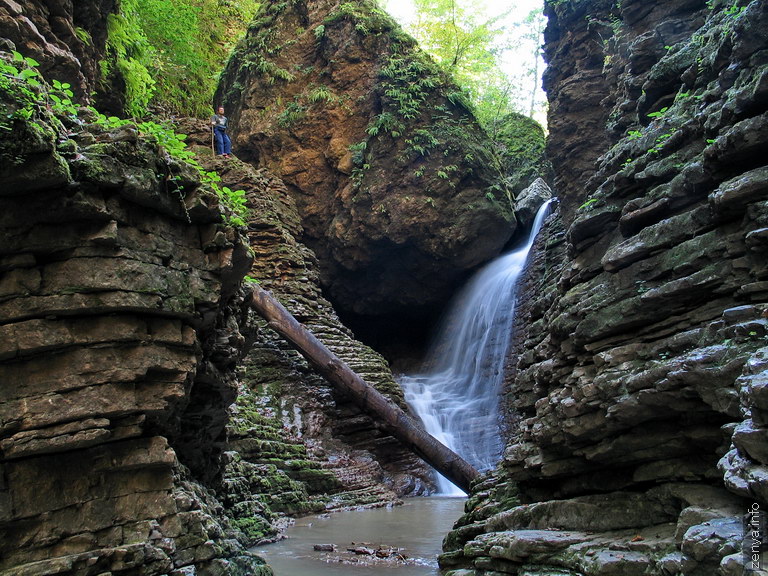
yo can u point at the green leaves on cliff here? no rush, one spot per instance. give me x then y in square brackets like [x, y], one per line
[27, 98]
[170, 52]
[408, 80]
[368, 18]
[128, 52]
[18, 78]
[234, 201]
[520, 151]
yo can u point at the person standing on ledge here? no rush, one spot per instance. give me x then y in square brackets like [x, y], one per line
[219, 124]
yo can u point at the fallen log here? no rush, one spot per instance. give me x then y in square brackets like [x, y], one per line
[343, 378]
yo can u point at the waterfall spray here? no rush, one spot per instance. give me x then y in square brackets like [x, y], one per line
[457, 398]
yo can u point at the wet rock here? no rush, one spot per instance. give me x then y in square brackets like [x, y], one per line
[362, 551]
[530, 200]
[519, 545]
[710, 542]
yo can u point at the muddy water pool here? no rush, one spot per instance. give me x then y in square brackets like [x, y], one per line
[417, 527]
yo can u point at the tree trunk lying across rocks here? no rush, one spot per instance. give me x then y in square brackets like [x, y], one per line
[343, 378]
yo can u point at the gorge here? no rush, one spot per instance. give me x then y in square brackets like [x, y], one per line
[150, 423]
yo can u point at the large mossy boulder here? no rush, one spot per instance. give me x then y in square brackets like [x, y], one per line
[397, 190]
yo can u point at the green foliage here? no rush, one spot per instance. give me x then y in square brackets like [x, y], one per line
[256, 61]
[520, 151]
[61, 96]
[23, 101]
[658, 144]
[254, 527]
[234, 200]
[422, 141]
[658, 113]
[170, 52]
[733, 10]
[83, 35]
[128, 51]
[358, 160]
[467, 40]
[294, 112]
[19, 83]
[408, 83]
[321, 94]
[454, 34]
[358, 152]
[367, 17]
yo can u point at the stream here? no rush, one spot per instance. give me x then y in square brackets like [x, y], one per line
[417, 527]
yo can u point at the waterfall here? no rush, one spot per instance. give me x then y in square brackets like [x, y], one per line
[457, 397]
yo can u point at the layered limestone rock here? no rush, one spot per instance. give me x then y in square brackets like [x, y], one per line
[68, 39]
[119, 306]
[293, 444]
[635, 403]
[398, 195]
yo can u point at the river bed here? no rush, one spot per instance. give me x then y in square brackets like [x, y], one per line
[417, 527]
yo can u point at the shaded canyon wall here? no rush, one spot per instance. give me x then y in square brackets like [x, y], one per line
[118, 298]
[636, 404]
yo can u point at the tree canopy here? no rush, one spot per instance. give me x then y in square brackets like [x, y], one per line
[476, 44]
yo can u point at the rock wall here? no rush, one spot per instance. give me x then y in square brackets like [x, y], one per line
[293, 444]
[636, 406]
[123, 330]
[119, 305]
[68, 39]
[391, 174]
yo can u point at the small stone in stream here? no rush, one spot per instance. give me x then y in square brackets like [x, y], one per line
[325, 547]
[362, 551]
[388, 551]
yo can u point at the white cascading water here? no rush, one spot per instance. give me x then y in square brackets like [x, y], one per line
[458, 397]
